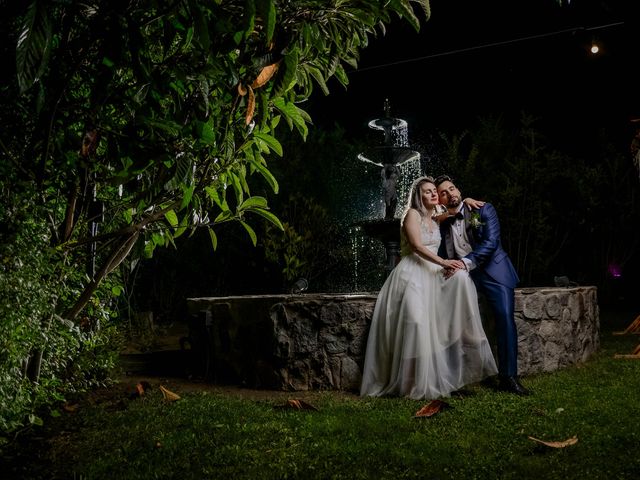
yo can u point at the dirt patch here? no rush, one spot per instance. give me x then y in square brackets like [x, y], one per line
[126, 388]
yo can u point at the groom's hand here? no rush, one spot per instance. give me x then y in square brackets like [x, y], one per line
[451, 267]
[449, 272]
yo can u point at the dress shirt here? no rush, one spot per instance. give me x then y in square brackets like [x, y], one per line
[461, 243]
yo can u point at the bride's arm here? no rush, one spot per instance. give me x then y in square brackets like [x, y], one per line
[442, 213]
[473, 203]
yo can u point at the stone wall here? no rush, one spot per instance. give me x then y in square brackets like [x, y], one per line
[556, 327]
[317, 341]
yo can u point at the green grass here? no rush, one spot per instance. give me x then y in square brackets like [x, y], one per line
[484, 435]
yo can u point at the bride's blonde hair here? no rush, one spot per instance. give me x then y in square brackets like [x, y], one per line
[415, 197]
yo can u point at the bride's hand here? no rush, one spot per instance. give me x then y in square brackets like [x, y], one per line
[453, 264]
[473, 203]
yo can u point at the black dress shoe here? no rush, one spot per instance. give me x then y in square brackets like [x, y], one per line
[512, 385]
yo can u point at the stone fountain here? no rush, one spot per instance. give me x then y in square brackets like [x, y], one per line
[391, 157]
[315, 341]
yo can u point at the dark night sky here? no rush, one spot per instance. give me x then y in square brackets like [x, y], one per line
[552, 76]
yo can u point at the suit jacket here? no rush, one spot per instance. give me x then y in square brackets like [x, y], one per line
[487, 254]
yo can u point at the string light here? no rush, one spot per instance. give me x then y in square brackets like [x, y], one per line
[496, 44]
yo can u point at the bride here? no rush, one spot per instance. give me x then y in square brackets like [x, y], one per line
[426, 338]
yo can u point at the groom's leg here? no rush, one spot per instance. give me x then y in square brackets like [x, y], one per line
[502, 301]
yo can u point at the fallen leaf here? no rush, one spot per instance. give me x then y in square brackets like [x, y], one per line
[140, 389]
[296, 404]
[431, 408]
[569, 441]
[169, 395]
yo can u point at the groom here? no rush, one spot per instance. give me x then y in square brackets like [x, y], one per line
[474, 237]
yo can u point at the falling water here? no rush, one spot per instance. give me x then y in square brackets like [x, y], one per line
[393, 167]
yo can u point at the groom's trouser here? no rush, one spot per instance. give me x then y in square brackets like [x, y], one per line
[502, 301]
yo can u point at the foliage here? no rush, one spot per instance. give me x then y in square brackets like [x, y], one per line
[137, 122]
[547, 212]
[35, 342]
[309, 246]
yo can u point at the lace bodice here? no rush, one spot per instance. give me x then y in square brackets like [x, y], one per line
[430, 239]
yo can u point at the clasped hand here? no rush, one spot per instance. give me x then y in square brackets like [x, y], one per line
[451, 267]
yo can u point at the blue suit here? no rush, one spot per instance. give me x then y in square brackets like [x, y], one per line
[494, 277]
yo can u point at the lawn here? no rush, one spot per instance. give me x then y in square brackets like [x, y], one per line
[213, 432]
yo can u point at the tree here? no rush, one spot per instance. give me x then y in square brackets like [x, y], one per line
[145, 114]
[129, 124]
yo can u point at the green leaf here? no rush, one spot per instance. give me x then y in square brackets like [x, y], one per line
[214, 238]
[201, 29]
[405, 10]
[267, 215]
[223, 217]
[252, 234]
[267, 10]
[237, 188]
[149, 246]
[182, 227]
[204, 130]
[168, 126]
[268, 176]
[249, 15]
[141, 94]
[256, 201]
[286, 76]
[341, 75]
[172, 218]
[187, 194]
[159, 239]
[117, 290]
[33, 46]
[270, 141]
[294, 116]
[35, 420]
[213, 194]
[317, 74]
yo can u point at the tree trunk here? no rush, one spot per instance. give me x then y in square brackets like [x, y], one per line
[119, 253]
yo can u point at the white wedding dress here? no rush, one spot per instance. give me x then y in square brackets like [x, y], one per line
[426, 338]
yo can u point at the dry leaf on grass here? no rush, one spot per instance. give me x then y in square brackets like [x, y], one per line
[431, 408]
[569, 441]
[141, 389]
[296, 404]
[169, 395]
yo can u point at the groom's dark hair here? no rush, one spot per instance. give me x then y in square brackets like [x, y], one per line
[443, 178]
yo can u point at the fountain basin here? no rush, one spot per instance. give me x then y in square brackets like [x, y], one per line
[318, 341]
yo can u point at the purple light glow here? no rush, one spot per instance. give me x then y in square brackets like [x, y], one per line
[614, 270]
